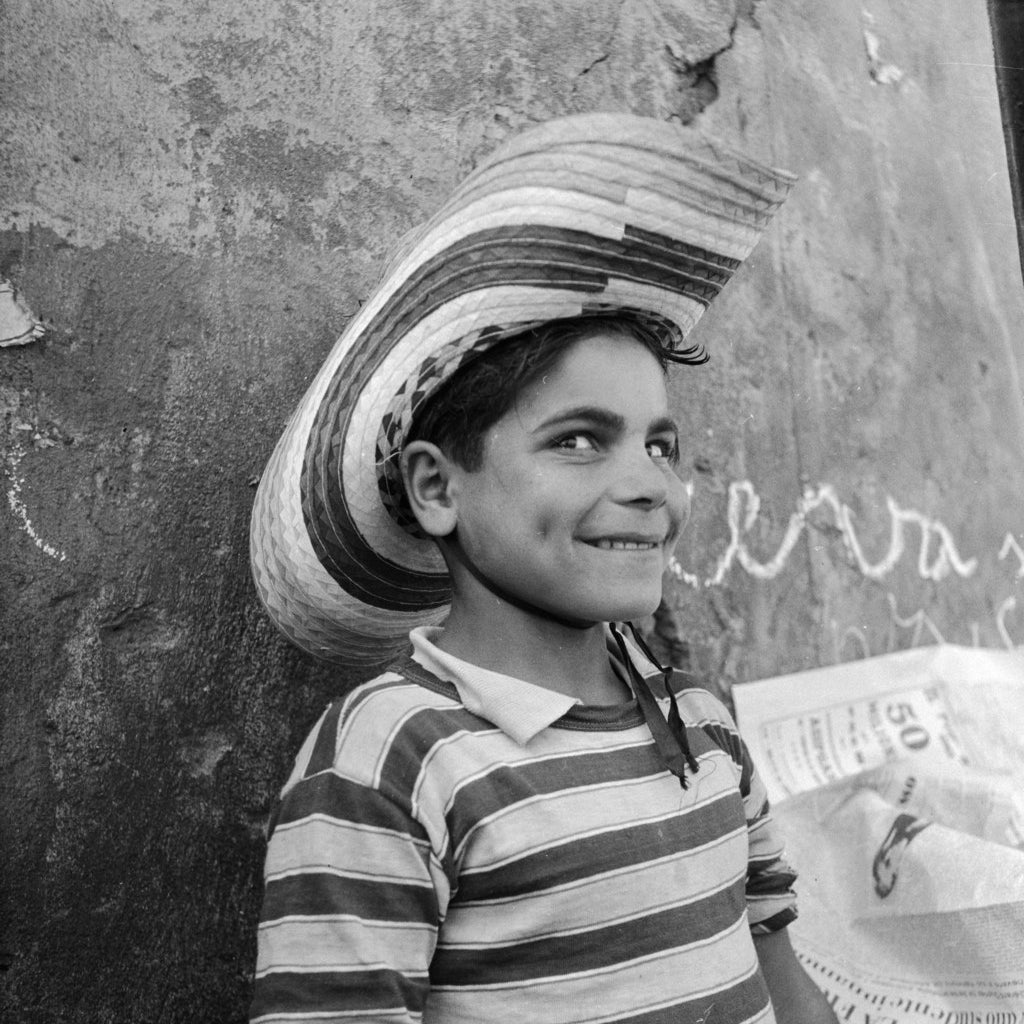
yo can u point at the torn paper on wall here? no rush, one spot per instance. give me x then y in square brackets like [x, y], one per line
[18, 326]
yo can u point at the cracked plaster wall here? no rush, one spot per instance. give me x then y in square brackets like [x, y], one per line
[195, 202]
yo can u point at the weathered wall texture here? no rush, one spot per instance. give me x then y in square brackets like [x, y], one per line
[195, 199]
[866, 389]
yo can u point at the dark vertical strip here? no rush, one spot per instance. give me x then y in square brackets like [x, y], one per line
[1007, 21]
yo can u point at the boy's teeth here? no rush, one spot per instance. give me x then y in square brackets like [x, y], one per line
[624, 545]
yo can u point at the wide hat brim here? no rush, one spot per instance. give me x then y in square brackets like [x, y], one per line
[591, 214]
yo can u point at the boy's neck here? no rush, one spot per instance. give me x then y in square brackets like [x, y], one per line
[500, 638]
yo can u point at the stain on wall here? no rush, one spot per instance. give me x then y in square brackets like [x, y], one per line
[193, 206]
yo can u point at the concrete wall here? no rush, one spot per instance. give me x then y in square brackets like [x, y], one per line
[196, 197]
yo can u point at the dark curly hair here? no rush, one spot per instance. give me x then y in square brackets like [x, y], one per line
[458, 415]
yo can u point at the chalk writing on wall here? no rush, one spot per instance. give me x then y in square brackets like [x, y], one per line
[1010, 545]
[923, 630]
[17, 505]
[931, 543]
[937, 552]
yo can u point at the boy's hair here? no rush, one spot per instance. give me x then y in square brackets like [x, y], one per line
[458, 415]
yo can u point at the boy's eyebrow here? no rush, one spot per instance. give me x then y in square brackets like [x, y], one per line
[606, 418]
[664, 425]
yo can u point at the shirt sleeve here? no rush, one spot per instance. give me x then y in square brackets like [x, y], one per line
[771, 900]
[351, 903]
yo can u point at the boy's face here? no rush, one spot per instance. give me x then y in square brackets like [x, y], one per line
[577, 506]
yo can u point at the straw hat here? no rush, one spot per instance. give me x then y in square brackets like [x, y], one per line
[583, 215]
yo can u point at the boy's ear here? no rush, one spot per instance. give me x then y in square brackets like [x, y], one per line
[428, 476]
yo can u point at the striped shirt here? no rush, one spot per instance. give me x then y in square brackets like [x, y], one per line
[456, 846]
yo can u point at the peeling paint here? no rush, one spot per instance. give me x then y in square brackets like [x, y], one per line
[204, 753]
[18, 325]
[881, 72]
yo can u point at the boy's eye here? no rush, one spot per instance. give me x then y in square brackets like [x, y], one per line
[664, 449]
[576, 442]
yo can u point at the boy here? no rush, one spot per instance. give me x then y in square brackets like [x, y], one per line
[525, 818]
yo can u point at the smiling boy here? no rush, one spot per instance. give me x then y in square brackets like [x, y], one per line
[567, 516]
[524, 817]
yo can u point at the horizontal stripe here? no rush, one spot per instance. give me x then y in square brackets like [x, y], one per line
[708, 970]
[291, 992]
[318, 892]
[634, 776]
[589, 174]
[770, 883]
[582, 853]
[629, 891]
[746, 1002]
[342, 942]
[680, 253]
[470, 759]
[557, 868]
[592, 950]
[771, 916]
[760, 907]
[574, 208]
[702, 706]
[454, 766]
[519, 204]
[478, 803]
[324, 841]
[553, 865]
[334, 796]
[766, 847]
[782, 919]
[545, 256]
[679, 216]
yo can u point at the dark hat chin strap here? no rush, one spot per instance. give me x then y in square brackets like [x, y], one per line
[670, 737]
[456, 550]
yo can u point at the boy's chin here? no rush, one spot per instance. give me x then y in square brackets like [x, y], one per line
[623, 609]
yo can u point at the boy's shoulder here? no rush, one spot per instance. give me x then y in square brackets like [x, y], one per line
[404, 692]
[396, 715]
[695, 695]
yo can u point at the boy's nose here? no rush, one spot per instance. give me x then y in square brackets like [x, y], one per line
[642, 481]
[649, 485]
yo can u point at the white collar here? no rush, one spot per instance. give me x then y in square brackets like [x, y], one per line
[519, 709]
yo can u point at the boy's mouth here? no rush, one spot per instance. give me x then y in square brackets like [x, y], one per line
[612, 544]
